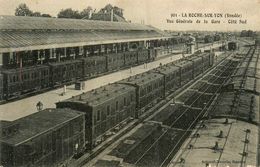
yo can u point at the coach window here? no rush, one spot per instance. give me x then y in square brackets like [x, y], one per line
[108, 110]
[14, 78]
[116, 105]
[98, 115]
[124, 101]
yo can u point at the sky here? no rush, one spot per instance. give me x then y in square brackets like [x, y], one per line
[156, 12]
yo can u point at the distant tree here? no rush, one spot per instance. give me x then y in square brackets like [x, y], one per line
[85, 13]
[217, 37]
[23, 10]
[36, 14]
[69, 13]
[46, 15]
[243, 33]
[118, 11]
[108, 8]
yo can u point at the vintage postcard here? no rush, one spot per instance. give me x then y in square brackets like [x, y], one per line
[129, 83]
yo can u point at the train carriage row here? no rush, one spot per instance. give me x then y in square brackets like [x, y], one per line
[103, 110]
[34, 78]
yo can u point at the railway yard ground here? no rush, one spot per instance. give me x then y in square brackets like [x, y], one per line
[232, 145]
[193, 128]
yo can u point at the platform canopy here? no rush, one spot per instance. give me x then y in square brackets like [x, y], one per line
[18, 33]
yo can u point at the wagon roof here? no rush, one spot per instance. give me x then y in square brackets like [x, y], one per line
[143, 78]
[102, 94]
[39, 123]
[167, 69]
[31, 68]
[30, 33]
[184, 63]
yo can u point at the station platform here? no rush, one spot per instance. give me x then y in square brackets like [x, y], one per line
[21, 108]
[236, 147]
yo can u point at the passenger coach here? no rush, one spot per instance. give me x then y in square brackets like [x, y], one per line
[104, 108]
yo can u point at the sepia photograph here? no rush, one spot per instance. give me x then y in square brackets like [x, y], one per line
[129, 83]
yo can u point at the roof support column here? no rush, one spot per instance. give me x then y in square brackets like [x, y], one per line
[51, 54]
[146, 44]
[123, 47]
[81, 51]
[58, 56]
[1, 59]
[116, 47]
[92, 50]
[156, 43]
[119, 47]
[99, 49]
[38, 55]
[20, 59]
[106, 50]
[84, 51]
[113, 48]
[65, 52]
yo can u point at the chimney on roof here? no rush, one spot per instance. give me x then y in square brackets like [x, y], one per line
[112, 14]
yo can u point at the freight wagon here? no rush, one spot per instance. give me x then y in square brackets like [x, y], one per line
[232, 46]
[104, 107]
[172, 76]
[45, 138]
[148, 87]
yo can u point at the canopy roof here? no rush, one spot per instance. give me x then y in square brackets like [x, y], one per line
[19, 33]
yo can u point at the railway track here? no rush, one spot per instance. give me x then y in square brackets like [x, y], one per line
[249, 55]
[149, 114]
[196, 108]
